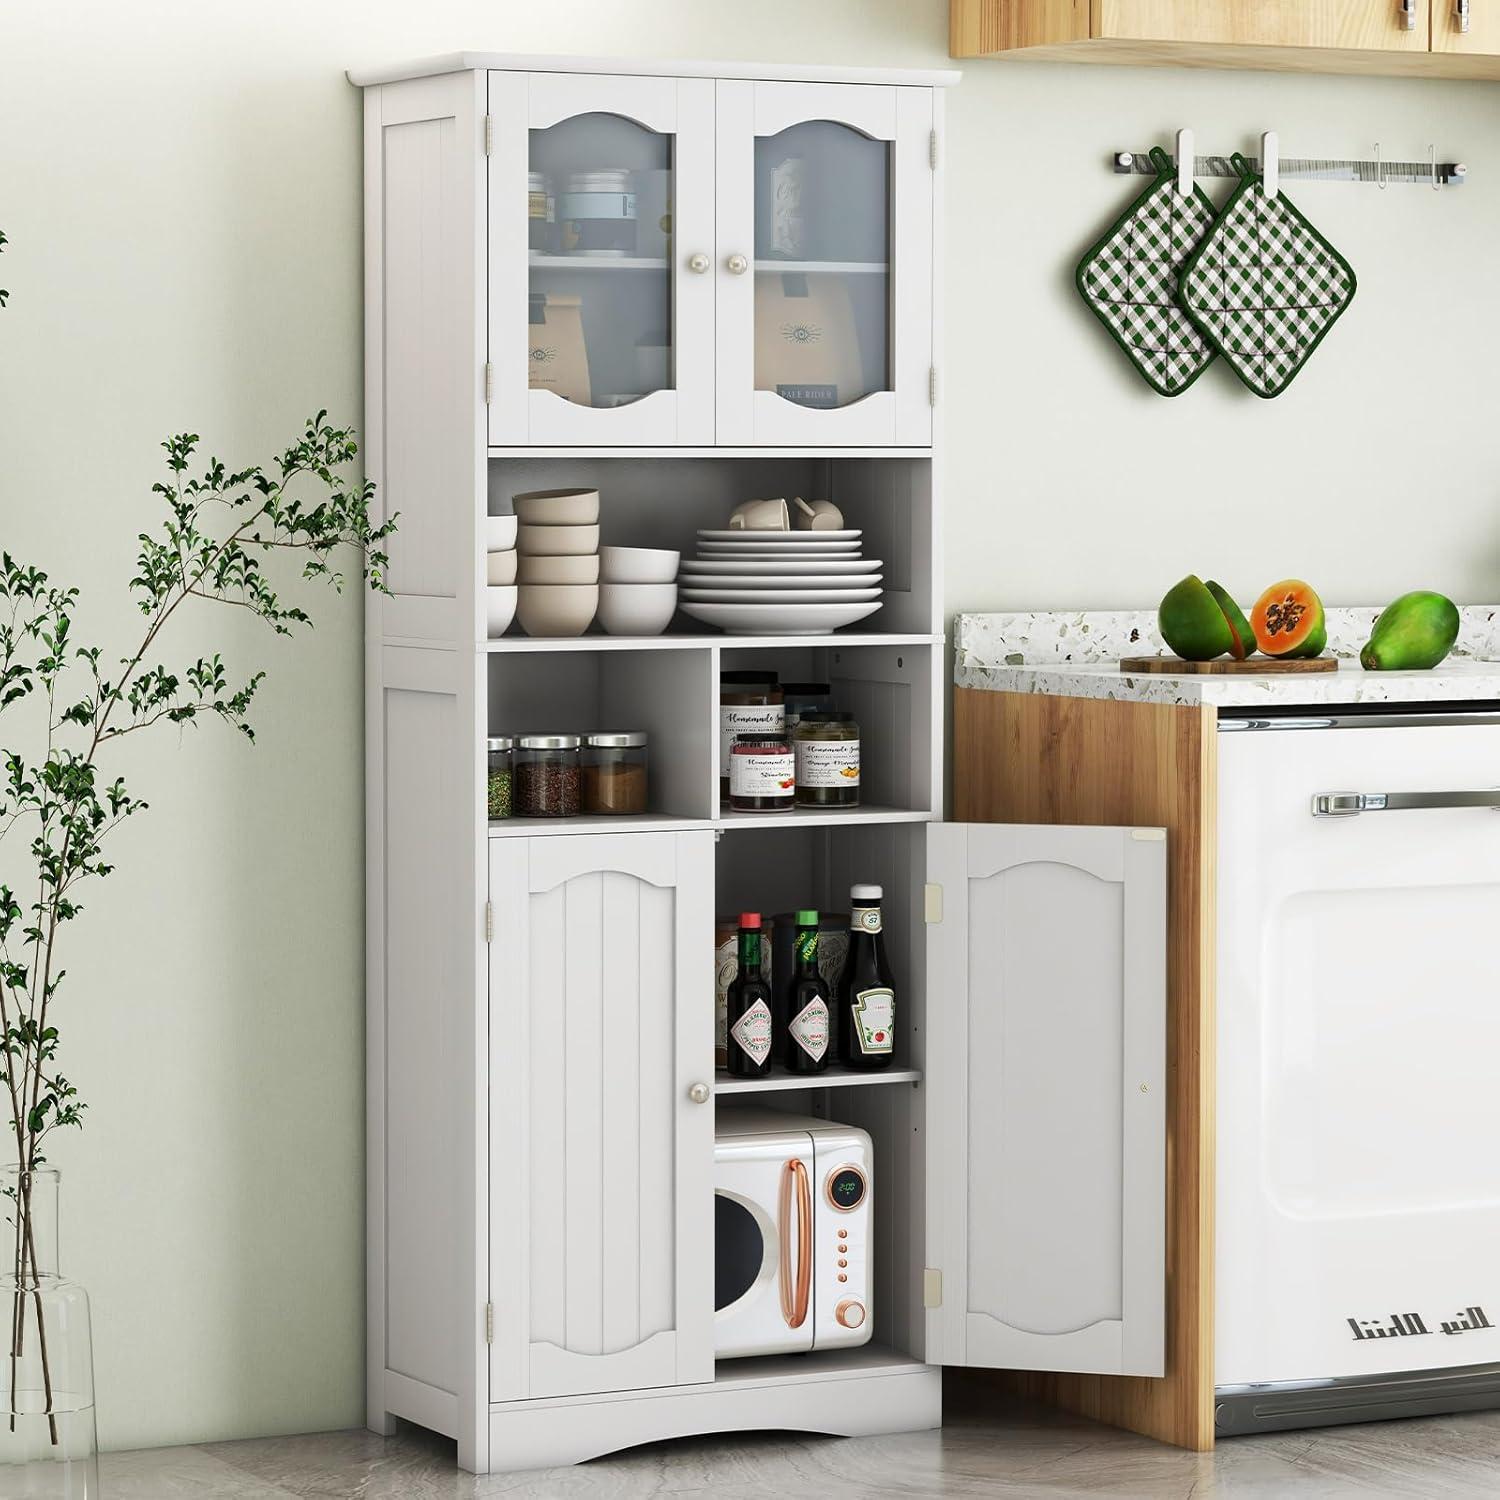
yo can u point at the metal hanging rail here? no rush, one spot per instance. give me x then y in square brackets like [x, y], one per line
[1430, 173]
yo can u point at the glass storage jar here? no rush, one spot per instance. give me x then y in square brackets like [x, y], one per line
[762, 774]
[827, 750]
[596, 213]
[750, 702]
[548, 776]
[541, 212]
[500, 750]
[802, 698]
[614, 773]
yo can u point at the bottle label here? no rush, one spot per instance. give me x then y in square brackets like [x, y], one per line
[874, 1017]
[758, 718]
[772, 775]
[753, 1032]
[865, 919]
[809, 1028]
[828, 763]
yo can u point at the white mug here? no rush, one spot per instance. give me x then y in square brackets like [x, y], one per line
[761, 515]
[818, 515]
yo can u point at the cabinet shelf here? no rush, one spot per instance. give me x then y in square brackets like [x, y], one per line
[834, 1078]
[822, 267]
[700, 642]
[597, 263]
[801, 817]
[805, 817]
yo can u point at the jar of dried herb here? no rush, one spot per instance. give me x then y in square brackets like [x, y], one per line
[614, 773]
[501, 751]
[549, 776]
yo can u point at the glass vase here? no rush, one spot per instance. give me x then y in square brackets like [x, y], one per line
[48, 1447]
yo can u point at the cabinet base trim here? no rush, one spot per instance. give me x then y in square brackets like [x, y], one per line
[1239, 1410]
[426, 1405]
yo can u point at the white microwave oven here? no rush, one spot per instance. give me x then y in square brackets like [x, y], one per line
[793, 1199]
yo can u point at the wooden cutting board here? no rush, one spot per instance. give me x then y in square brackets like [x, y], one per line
[1174, 666]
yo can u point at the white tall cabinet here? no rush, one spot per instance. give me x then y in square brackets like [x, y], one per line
[541, 1094]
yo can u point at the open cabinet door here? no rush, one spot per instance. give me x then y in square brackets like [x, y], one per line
[1046, 1075]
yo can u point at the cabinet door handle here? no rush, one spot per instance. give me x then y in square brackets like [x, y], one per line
[1348, 804]
[795, 1296]
[1408, 15]
[1461, 14]
[699, 1093]
[737, 265]
[698, 263]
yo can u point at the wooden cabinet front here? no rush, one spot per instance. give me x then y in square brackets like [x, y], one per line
[1480, 37]
[1355, 25]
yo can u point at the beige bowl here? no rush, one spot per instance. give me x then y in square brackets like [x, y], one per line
[499, 533]
[499, 609]
[637, 608]
[557, 507]
[557, 608]
[560, 569]
[557, 541]
[500, 567]
[638, 564]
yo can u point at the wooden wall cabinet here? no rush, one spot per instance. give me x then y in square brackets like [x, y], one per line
[1408, 37]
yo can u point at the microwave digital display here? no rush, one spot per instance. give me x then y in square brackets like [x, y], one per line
[846, 1188]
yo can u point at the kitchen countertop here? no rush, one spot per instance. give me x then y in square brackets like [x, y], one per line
[1077, 655]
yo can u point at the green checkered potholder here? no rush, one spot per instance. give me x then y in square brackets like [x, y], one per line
[1129, 279]
[1264, 287]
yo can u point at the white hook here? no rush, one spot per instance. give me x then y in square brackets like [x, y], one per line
[1270, 163]
[1380, 181]
[1432, 158]
[1185, 163]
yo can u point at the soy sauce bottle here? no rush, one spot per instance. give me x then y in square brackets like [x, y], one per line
[749, 1007]
[805, 1004]
[866, 1006]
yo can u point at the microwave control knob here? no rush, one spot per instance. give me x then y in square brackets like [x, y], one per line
[698, 1093]
[849, 1313]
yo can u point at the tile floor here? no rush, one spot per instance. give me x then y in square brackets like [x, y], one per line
[1013, 1451]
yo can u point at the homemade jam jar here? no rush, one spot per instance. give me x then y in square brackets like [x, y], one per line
[548, 776]
[762, 774]
[802, 698]
[500, 752]
[750, 702]
[827, 751]
[614, 773]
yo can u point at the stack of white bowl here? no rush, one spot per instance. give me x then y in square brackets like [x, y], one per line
[559, 545]
[500, 574]
[638, 589]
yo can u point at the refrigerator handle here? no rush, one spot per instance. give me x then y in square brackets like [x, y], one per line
[1349, 804]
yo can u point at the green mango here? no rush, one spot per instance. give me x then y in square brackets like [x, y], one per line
[1192, 623]
[1243, 644]
[1413, 632]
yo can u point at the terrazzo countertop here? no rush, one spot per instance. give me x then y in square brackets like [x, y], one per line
[1077, 655]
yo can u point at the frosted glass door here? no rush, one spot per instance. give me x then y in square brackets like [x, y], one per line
[825, 253]
[601, 215]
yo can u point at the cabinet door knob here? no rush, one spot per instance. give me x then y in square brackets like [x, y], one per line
[698, 263]
[737, 264]
[699, 1093]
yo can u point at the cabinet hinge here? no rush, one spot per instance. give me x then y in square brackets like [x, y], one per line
[489, 921]
[489, 1322]
[932, 903]
[932, 385]
[489, 135]
[932, 1288]
[932, 150]
[489, 382]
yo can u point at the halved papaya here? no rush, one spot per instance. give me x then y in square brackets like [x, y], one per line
[1243, 642]
[1288, 620]
[1192, 623]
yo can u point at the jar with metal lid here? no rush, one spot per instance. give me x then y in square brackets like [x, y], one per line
[548, 775]
[750, 702]
[596, 213]
[500, 749]
[762, 774]
[804, 697]
[827, 751]
[614, 773]
[541, 211]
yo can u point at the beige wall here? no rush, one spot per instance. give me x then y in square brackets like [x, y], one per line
[180, 182]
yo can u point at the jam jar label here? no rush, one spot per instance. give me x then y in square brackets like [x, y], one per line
[874, 1015]
[753, 1032]
[741, 718]
[828, 763]
[772, 775]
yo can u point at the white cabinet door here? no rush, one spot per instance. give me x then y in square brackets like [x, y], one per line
[824, 268]
[1046, 1066]
[601, 228]
[601, 1270]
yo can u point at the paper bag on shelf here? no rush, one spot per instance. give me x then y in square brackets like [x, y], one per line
[806, 348]
[557, 360]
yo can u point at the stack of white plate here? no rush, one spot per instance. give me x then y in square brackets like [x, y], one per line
[779, 582]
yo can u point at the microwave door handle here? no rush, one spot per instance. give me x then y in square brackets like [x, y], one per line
[794, 1298]
[1350, 804]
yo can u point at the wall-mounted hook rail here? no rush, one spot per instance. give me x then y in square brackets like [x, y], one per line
[1313, 169]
